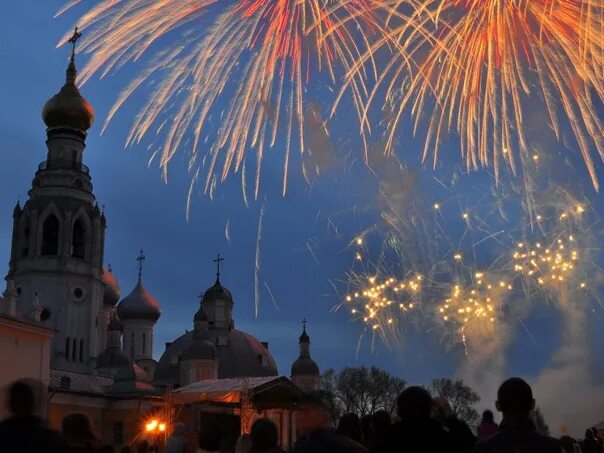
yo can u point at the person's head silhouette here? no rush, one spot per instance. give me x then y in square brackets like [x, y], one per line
[414, 403]
[515, 398]
[487, 416]
[21, 398]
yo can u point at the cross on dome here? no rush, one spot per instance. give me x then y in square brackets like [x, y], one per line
[140, 259]
[218, 260]
[73, 40]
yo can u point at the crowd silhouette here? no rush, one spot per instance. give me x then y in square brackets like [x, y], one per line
[421, 424]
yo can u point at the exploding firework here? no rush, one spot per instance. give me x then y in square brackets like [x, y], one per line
[473, 311]
[382, 304]
[270, 48]
[476, 66]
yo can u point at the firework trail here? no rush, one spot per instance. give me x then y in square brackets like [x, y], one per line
[269, 50]
[476, 66]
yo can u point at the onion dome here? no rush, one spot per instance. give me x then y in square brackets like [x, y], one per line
[200, 349]
[68, 108]
[200, 315]
[139, 304]
[305, 366]
[217, 291]
[111, 288]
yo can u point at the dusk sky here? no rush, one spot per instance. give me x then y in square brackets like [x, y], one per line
[305, 246]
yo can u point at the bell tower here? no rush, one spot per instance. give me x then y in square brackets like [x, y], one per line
[59, 233]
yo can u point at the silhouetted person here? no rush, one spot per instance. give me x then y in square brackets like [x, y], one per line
[265, 436]
[367, 430]
[570, 445]
[591, 444]
[416, 431]
[23, 431]
[381, 422]
[318, 435]
[487, 426]
[78, 433]
[516, 431]
[176, 442]
[350, 426]
[461, 436]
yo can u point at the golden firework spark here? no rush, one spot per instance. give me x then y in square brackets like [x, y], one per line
[472, 311]
[380, 303]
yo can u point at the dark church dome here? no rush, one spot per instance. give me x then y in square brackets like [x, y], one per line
[139, 304]
[68, 108]
[242, 356]
[200, 349]
[217, 291]
[305, 366]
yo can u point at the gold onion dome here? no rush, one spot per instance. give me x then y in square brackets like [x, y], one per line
[68, 108]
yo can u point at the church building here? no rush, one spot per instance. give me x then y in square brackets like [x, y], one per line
[63, 321]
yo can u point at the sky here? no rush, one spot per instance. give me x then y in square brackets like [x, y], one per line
[305, 250]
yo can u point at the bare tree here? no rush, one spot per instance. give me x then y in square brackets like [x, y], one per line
[460, 396]
[361, 390]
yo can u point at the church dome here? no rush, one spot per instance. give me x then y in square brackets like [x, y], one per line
[111, 288]
[139, 304]
[242, 356]
[305, 366]
[68, 108]
[200, 349]
[217, 291]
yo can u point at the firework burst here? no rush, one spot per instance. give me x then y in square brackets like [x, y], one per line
[271, 49]
[476, 66]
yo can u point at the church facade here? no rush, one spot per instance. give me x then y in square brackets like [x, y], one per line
[96, 347]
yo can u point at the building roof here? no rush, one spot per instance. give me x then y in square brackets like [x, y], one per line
[78, 382]
[139, 304]
[112, 290]
[225, 385]
[244, 356]
[131, 380]
[264, 392]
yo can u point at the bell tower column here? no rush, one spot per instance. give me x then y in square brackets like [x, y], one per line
[56, 257]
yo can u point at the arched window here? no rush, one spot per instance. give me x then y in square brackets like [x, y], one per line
[50, 236]
[67, 348]
[144, 343]
[132, 345]
[24, 238]
[74, 346]
[78, 240]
